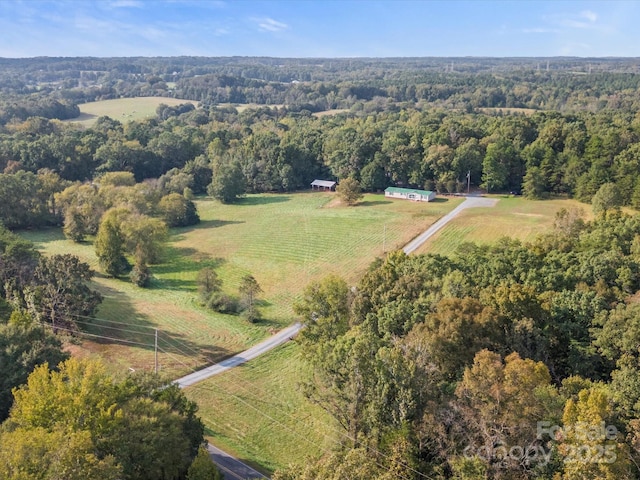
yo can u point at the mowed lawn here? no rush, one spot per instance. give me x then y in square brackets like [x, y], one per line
[123, 109]
[287, 241]
[258, 412]
[514, 217]
[284, 241]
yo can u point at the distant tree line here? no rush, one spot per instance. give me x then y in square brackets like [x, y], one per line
[228, 153]
[52, 88]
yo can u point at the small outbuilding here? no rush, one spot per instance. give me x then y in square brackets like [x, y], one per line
[323, 185]
[410, 194]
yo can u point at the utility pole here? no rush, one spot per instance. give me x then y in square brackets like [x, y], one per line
[156, 353]
[384, 239]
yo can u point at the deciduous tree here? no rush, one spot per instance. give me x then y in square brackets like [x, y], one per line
[23, 345]
[110, 245]
[132, 426]
[606, 198]
[228, 183]
[349, 191]
[203, 468]
[60, 292]
[177, 211]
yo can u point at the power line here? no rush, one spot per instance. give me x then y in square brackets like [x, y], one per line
[239, 382]
[80, 332]
[167, 340]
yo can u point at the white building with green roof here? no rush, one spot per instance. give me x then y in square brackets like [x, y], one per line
[410, 194]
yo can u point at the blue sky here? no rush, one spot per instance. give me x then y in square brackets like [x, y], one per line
[311, 28]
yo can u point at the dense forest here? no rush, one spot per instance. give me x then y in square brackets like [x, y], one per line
[507, 361]
[270, 150]
[52, 87]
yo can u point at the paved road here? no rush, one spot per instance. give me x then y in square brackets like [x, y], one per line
[470, 202]
[253, 352]
[231, 467]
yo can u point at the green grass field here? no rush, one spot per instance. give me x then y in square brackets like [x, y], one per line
[514, 217]
[123, 109]
[137, 108]
[257, 411]
[285, 241]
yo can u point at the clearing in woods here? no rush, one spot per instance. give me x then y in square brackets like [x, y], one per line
[284, 240]
[139, 108]
[257, 411]
[123, 109]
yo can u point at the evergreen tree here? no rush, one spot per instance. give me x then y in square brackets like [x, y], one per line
[249, 290]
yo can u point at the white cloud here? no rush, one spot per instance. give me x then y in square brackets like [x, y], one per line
[267, 24]
[93, 24]
[585, 20]
[571, 23]
[589, 15]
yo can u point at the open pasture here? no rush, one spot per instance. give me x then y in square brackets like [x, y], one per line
[284, 241]
[123, 109]
[259, 413]
[514, 217]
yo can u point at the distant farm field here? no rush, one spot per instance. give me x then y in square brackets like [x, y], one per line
[284, 241]
[123, 109]
[240, 107]
[514, 217]
[327, 113]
